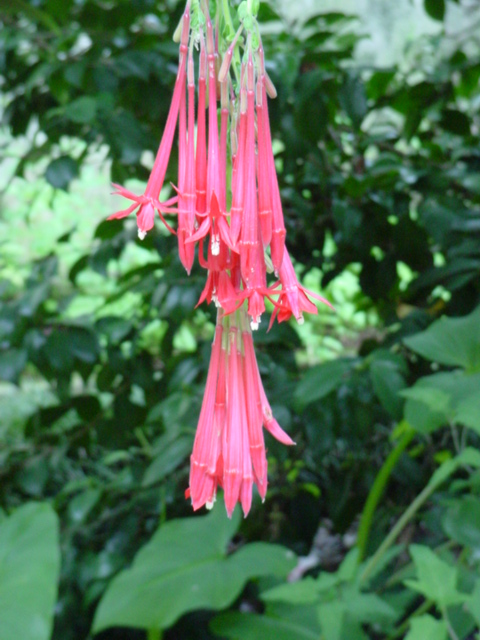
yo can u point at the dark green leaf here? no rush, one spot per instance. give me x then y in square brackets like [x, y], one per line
[171, 455]
[388, 380]
[321, 380]
[299, 622]
[61, 172]
[115, 329]
[461, 522]
[82, 110]
[12, 364]
[353, 99]
[58, 350]
[435, 8]
[184, 567]
[87, 407]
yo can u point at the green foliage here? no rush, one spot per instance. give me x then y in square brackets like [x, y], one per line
[451, 341]
[29, 568]
[436, 579]
[427, 628]
[103, 357]
[171, 576]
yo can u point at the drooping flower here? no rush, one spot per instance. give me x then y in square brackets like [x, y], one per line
[229, 447]
[146, 204]
[293, 297]
[227, 201]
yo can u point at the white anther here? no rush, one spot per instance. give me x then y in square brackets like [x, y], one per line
[254, 322]
[215, 244]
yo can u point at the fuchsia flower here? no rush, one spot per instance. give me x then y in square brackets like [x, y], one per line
[229, 448]
[293, 297]
[149, 202]
[227, 200]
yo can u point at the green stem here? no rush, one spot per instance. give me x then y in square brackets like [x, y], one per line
[227, 16]
[400, 631]
[408, 514]
[396, 531]
[377, 491]
[154, 634]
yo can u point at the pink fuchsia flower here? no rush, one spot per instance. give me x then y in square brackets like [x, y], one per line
[278, 233]
[229, 449]
[148, 203]
[249, 242]
[186, 174]
[201, 151]
[293, 297]
[239, 171]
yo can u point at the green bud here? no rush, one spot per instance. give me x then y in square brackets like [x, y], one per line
[242, 11]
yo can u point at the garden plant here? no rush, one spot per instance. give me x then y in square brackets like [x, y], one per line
[325, 277]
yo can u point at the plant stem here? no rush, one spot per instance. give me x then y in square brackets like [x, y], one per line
[377, 491]
[408, 514]
[423, 608]
[227, 16]
[154, 634]
[438, 478]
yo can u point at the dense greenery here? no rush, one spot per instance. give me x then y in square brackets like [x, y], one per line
[103, 356]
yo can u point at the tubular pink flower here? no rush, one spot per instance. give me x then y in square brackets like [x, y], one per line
[213, 161]
[249, 233]
[202, 484]
[293, 297]
[254, 409]
[232, 434]
[229, 448]
[187, 195]
[238, 178]
[215, 224]
[201, 152]
[222, 197]
[148, 202]
[277, 242]
[264, 197]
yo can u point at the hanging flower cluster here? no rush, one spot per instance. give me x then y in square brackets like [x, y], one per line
[227, 201]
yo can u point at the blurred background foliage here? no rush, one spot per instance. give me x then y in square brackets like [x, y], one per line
[103, 356]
